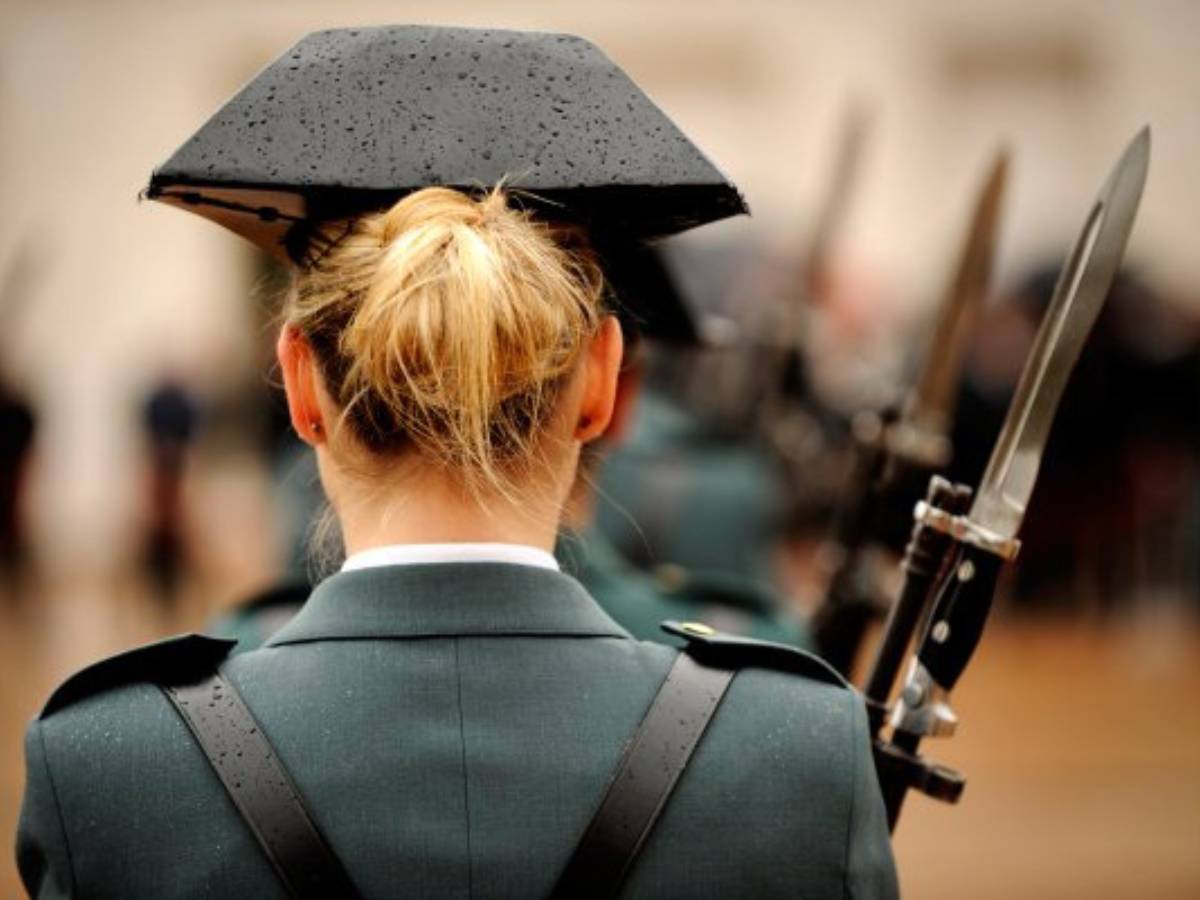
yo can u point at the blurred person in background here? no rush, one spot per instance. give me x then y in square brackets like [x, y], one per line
[694, 487]
[640, 598]
[735, 452]
[169, 419]
[18, 426]
[445, 713]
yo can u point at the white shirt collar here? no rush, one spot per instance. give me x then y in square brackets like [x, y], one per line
[410, 554]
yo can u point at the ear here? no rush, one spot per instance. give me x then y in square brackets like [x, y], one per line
[629, 385]
[298, 365]
[602, 368]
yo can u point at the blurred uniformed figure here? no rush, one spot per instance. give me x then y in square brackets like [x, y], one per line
[169, 423]
[17, 426]
[732, 450]
[640, 598]
[18, 430]
[253, 621]
[444, 716]
[684, 492]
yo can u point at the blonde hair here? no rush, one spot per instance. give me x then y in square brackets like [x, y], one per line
[448, 324]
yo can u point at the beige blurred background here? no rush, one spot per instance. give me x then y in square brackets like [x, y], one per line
[1081, 738]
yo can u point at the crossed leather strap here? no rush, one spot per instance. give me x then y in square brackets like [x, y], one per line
[271, 805]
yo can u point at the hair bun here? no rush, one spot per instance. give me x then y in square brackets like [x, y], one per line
[439, 206]
[447, 322]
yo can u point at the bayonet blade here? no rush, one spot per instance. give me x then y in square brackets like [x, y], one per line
[930, 407]
[1083, 284]
[847, 165]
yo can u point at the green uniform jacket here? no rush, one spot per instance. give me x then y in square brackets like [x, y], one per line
[453, 728]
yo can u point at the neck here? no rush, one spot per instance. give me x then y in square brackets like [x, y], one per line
[431, 507]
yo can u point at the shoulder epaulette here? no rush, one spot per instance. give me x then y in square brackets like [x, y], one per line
[161, 662]
[735, 652]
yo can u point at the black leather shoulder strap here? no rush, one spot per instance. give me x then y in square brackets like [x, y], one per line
[663, 745]
[260, 787]
[644, 779]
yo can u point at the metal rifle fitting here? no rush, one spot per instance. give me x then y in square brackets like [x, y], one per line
[923, 707]
[963, 530]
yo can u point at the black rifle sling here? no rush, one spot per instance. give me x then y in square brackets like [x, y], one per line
[260, 787]
[644, 780]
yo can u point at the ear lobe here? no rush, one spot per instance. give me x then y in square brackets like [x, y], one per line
[629, 384]
[297, 363]
[602, 367]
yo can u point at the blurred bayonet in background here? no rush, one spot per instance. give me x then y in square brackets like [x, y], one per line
[954, 560]
[816, 269]
[758, 382]
[895, 450]
[774, 396]
[847, 168]
[929, 409]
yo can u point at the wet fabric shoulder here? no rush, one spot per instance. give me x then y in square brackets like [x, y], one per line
[168, 661]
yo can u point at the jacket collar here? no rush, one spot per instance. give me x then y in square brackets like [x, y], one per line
[447, 600]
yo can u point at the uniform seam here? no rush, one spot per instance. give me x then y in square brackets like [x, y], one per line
[62, 825]
[846, 893]
[462, 739]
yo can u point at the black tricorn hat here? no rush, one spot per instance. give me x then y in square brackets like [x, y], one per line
[349, 120]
